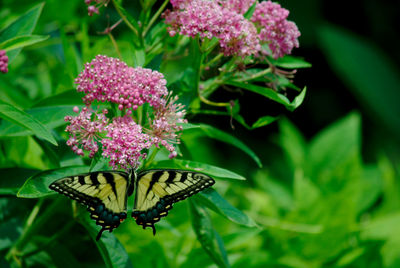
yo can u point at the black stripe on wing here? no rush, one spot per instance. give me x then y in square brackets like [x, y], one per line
[106, 218]
[193, 182]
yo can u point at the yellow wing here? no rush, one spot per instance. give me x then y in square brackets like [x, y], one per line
[105, 194]
[157, 190]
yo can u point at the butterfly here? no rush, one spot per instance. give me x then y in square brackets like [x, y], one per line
[105, 193]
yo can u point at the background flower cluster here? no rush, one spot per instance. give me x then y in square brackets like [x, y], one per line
[124, 140]
[267, 32]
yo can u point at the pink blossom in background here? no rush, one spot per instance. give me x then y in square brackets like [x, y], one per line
[107, 79]
[3, 61]
[208, 19]
[280, 34]
[124, 143]
[85, 130]
[239, 6]
[237, 36]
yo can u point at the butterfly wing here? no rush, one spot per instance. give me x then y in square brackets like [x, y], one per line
[158, 190]
[104, 193]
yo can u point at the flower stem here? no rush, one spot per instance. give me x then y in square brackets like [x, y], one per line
[117, 7]
[215, 59]
[115, 45]
[254, 76]
[155, 17]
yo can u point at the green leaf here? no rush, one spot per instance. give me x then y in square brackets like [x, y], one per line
[73, 61]
[207, 236]
[16, 116]
[271, 94]
[139, 57]
[13, 179]
[50, 117]
[213, 171]
[211, 199]
[261, 122]
[69, 97]
[369, 73]
[292, 142]
[112, 251]
[38, 185]
[250, 11]
[334, 153]
[24, 25]
[217, 134]
[22, 41]
[290, 62]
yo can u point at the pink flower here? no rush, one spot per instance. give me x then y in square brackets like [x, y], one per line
[85, 130]
[125, 143]
[237, 36]
[280, 35]
[166, 124]
[96, 5]
[3, 61]
[107, 79]
[239, 6]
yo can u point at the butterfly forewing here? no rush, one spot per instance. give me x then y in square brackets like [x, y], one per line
[157, 190]
[104, 193]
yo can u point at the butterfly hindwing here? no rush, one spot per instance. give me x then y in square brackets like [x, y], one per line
[158, 190]
[104, 193]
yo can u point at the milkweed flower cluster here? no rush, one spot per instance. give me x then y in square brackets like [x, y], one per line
[237, 35]
[111, 80]
[209, 19]
[3, 61]
[122, 139]
[280, 34]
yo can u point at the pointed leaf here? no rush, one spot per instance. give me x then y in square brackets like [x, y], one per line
[213, 171]
[19, 117]
[207, 236]
[211, 199]
[38, 185]
[24, 25]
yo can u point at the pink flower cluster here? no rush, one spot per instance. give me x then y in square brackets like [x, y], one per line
[239, 6]
[3, 61]
[85, 130]
[238, 36]
[165, 126]
[280, 34]
[125, 142]
[110, 80]
[122, 139]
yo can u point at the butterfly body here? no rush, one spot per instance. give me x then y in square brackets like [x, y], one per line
[105, 193]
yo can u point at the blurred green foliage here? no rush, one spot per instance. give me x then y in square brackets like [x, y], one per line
[315, 202]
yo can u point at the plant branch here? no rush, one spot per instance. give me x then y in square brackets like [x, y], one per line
[154, 18]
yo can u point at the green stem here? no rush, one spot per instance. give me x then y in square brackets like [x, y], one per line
[124, 18]
[155, 17]
[212, 61]
[254, 76]
[115, 45]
